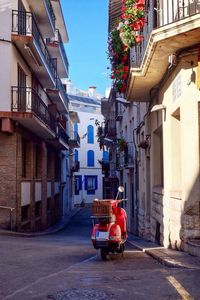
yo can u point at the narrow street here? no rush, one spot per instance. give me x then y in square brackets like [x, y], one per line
[65, 266]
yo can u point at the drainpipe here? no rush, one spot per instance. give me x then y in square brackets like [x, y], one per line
[136, 185]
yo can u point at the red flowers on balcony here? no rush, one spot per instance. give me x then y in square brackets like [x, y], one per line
[121, 39]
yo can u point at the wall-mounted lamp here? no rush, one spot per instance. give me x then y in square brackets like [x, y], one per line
[122, 101]
[158, 107]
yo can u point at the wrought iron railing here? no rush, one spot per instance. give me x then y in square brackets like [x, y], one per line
[62, 49]
[61, 88]
[24, 23]
[118, 111]
[51, 12]
[57, 39]
[110, 129]
[163, 13]
[63, 134]
[75, 166]
[74, 136]
[25, 99]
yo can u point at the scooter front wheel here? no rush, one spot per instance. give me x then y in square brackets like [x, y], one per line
[104, 254]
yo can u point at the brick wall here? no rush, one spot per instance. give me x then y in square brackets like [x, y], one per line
[8, 153]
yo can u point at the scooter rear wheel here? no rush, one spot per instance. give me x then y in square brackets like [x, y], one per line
[104, 254]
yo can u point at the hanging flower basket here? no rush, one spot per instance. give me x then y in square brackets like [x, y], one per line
[128, 38]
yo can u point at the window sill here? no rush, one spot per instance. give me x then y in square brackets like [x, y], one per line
[158, 190]
[176, 194]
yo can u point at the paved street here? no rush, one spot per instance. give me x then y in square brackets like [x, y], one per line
[65, 266]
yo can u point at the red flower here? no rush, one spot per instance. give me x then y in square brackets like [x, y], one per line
[139, 38]
[124, 76]
[140, 2]
[126, 68]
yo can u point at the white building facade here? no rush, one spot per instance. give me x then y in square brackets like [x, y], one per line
[88, 180]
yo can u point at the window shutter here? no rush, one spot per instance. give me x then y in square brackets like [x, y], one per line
[86, 182]
[80, 183]
[96, 182]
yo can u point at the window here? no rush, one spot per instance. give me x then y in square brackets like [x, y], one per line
[76, 155]
[158, 156]
[77, 184]
[90, 158]
[105, 156]
[91, 184]
[90, 134]
[75, 128]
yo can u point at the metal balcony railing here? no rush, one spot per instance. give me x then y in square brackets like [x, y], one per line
[118, 111]
[61, 133]
[57, 39]
[61, 88]
[24, 23]
[164, 13]
[75, 166]
[51, 12]
[110, 129]
[25, 99]
[62, 49]
[74, 137]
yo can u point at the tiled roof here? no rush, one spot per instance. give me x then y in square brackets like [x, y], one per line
[84, 99]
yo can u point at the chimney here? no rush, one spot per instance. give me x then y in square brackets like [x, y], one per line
[92, 91]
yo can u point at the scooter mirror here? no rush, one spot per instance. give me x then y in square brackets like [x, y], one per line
[120, 189]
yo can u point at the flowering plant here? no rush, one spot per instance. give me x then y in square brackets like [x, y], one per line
[122, 38]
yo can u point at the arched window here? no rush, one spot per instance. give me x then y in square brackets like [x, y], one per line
[90, 158]
[76, 155]
[90, 134]
[105, 156]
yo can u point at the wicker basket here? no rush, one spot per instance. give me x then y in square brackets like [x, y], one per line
[102, 208]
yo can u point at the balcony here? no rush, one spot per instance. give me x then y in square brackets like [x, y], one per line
[29, 110]
[29, 40]
[119, 111]
[110, 130]
[129, 154]
[58, 96]
[56, 49]
[75, 166]
[62, 136]
[74, 140]
[171, 26]
[105, 166]
[44, 13]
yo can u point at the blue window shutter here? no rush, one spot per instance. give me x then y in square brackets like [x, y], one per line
[90, 134]
[76, 155]
[76, 127]
[96, 182]
[86, 182]
[90, 158]
[80, 182]
[105, 156]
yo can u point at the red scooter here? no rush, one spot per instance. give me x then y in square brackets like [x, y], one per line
[109, 234]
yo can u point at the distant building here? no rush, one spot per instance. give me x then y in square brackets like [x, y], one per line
[88, 179]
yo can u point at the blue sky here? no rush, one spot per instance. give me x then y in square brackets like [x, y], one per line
[87, 25]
